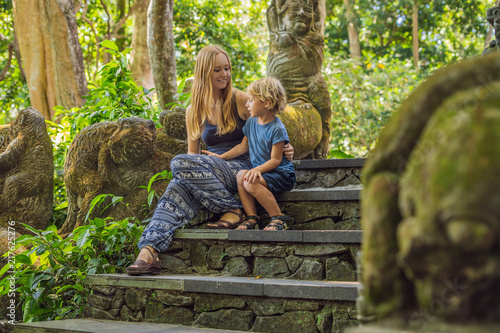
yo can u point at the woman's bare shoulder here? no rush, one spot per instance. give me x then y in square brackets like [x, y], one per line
[241, 101]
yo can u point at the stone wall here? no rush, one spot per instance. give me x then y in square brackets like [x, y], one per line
[242, 313]
[305, 261]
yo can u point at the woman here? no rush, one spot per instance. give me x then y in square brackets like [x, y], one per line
[216, 115]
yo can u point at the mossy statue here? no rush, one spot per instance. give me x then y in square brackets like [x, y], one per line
[26, 171]
[113, 157]
[431, 204]
[172, 137]
[493, 16]
[295, 58]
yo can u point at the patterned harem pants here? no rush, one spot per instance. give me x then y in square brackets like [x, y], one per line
[198, 181]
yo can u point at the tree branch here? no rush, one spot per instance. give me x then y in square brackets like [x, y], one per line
[109, 18]
[98, 54]
[122, 21]
[7, 65]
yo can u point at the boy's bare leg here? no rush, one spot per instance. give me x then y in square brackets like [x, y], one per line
[246, 198]
[260, 191]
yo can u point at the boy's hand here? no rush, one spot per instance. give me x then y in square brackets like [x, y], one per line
[253, 176]
[209, 153]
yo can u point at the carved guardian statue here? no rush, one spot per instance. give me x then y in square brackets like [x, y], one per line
[112, 157]
[295, 58]
[26, 171]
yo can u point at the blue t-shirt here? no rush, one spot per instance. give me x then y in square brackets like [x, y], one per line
[261, 139]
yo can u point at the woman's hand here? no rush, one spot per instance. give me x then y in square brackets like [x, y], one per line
[288, 152]
[209, 153]
[253, 175]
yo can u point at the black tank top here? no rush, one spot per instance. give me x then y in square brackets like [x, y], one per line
[219, 144]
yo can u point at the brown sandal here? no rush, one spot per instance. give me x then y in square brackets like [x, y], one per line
[250, 223]
[223, 224]
[153, 268]
[278, 222]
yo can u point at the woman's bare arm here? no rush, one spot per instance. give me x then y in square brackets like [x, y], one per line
[193, 145]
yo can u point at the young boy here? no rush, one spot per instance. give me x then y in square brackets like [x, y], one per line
[265, 137]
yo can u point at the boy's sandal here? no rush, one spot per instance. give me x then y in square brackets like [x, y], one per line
[248, 224]
[278, 222]
[142, 267]
[223, 224]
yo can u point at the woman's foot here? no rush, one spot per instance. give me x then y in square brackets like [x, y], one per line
[250, 223]
[278, 222]
[147, 262]
[230, 220]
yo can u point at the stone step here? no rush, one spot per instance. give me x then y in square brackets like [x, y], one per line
[316, 208]
[235, 303]
[295, 254]
[108, 326]
[328, 173]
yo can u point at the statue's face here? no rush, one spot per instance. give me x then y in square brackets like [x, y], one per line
[298, 18]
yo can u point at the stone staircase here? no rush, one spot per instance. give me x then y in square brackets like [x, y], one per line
[298, 280]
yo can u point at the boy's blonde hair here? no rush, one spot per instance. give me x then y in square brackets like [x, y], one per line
[201, 94]
[269, 89]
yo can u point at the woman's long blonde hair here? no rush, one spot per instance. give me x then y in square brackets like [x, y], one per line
[202, 95]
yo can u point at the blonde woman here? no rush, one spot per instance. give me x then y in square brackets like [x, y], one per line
[216, 115]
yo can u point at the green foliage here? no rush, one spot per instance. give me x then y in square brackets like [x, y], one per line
[238, 26]
[364, 96]
[14, 93]
[115, 95]
[449, 30]
[49, 272]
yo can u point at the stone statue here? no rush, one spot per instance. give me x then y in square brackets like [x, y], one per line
[431, 205]
[493, 16]
[172, 137]
[113, 157]
[26, 171]
[296, 56]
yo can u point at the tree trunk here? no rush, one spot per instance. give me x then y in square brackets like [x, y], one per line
[489, 34]
[161, 49]
[354, 45]
[51, 53]
[139, 56]
[121, 8]
[415, 34]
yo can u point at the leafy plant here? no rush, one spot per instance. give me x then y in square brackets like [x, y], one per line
[115, 95]
[50, 270]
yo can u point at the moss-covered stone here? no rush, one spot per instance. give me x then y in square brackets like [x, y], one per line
[174, 315]
[226, 319]
[99, 314]
[238, 266]
[324, 321]
[316, 250]
[309, 211]
[294, 305]
[101, 302]
[321, 224]
[136, 299]
[118, 299]
[337, 270]
[208, 303]
[431, 199]
[199, 253]
[153, 309]
[298, 321]
[270, 267]
[294, 263]
[267, 307]
[238, 251]
[172, 298]
[264, 250]
[310, 270]
[173, 264]
[216, 257]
